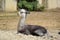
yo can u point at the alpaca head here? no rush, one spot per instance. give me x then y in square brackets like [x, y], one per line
[23, 12]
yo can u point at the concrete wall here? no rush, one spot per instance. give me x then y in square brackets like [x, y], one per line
[52, 4]
[2, 5]
[40, 1]
[10, 5]
[58, 3]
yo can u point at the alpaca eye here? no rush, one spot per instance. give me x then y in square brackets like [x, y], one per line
[21, 12]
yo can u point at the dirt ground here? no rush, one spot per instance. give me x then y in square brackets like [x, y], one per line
[50, 20]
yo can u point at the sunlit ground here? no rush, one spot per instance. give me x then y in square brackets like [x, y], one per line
[45, 19]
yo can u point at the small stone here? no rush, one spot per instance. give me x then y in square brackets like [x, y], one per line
[59, 33]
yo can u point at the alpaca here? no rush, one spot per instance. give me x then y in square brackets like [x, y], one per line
[33, 30]
[29, 29]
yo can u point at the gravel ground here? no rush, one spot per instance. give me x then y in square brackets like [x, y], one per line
[12, 35]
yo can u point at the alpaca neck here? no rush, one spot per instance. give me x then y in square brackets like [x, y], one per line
[23, 15]
[22, 20]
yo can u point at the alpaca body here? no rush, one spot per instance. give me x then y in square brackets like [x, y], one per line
[33, 30]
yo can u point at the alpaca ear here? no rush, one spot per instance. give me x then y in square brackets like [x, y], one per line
[27, 12]
[18, 13]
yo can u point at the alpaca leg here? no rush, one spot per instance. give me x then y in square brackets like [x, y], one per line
[27, 32]
[39, 32]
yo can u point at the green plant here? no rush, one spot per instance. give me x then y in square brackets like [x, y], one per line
[29, 5]
[41, 8]
[35, 5]
[21, 3]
